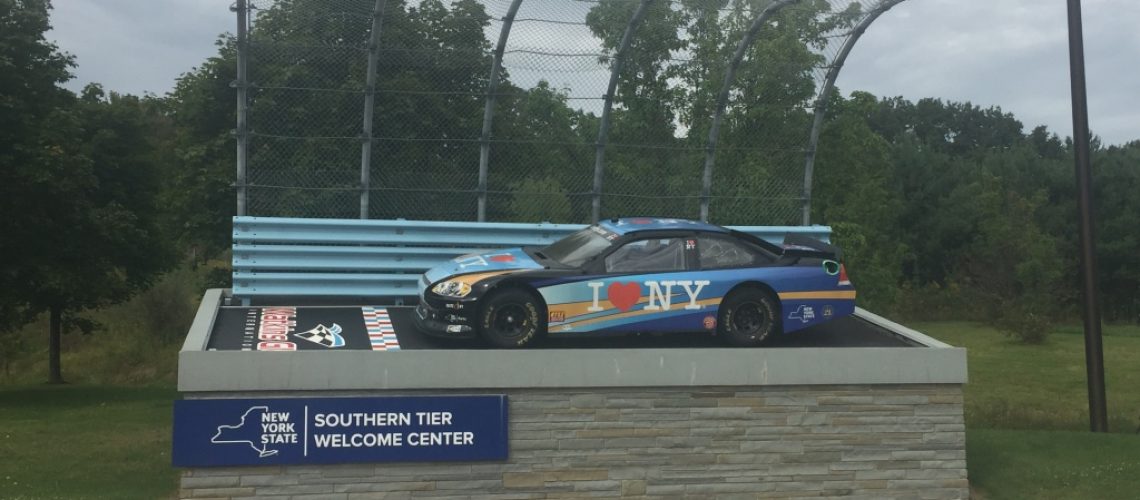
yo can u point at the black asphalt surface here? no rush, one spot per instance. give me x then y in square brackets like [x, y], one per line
[234, 329]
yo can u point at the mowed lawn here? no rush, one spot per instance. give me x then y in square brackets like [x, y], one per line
[1053, 465]
[76, 441]
[1017, 386]
[1027, 415]
[1025, 405]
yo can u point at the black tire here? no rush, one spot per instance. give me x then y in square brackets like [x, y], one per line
[748, 317]
[511, 318]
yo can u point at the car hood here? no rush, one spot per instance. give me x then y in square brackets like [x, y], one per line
[509, 259]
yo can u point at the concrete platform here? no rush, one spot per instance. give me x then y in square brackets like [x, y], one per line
[860, 408]
[864, 349]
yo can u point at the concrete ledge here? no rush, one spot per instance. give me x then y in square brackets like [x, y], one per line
[200, 370]
[199, 334]
[477, 369]
[899, 330]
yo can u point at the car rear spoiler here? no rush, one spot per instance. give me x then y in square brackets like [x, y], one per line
[795, 245]
[799, 245]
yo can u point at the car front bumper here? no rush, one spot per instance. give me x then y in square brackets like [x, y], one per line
[446, 318]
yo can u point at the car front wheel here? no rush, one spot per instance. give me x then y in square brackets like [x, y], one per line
[748, 317]
[510, 319]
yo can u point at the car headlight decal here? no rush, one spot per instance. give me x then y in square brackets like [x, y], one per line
[452, 288]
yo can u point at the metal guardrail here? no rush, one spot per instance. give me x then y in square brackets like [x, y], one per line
[383, 258]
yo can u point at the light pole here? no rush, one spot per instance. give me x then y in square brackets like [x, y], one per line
[1090, 301]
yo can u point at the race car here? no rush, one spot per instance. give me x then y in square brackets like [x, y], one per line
[638, 275]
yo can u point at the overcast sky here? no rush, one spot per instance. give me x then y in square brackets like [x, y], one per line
[1009, 53]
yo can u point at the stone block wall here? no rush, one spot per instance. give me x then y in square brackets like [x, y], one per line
[851, 441]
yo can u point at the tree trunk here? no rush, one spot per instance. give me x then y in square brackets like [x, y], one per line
[55, 332]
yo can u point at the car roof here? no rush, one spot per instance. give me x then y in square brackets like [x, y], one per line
[626, 225]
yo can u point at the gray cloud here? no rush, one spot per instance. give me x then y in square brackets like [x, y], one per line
[1012, 54]
[137, 46]
[1009, 53]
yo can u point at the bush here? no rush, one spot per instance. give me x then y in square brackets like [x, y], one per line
[1024, 324]
[932, 302]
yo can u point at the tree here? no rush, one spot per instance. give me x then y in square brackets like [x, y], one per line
[552, 156]
[1011, 266]
[854, 194]
[31, 70]
[78, 184]
[200, 196]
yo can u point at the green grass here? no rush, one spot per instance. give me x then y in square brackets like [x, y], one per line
[1017, 386]
[1027, 414]
[1108, 330]
[86, 442]
[1053, 465]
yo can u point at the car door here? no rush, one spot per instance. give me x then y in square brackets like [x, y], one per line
[643, 284]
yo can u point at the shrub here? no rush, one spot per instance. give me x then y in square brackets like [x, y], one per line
[1024, 325]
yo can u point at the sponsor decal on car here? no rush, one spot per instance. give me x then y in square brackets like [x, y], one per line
[502, 257]
[476, 260]
[709, 322]
[803, 313]
[624, 296]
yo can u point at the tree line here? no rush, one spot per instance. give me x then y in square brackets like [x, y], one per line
[944, 209]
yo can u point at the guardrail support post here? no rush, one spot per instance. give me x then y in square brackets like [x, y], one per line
[242, 83]
[604, 125]
[825, 93]
[369, 108]
[489, 107]
[722, 99]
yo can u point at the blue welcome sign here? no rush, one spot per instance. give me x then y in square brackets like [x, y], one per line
[221, 432]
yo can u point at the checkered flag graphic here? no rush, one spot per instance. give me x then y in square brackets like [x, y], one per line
[323, 335]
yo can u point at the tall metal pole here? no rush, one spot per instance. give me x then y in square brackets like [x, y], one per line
[825, 94]
[722, 99]
[242, 133]
[489, 107]
[1094, 352]
[604, 125]
[369, 108]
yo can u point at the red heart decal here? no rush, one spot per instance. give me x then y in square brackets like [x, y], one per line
[624, 295]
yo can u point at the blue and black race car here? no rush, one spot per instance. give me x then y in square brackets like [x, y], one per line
[632, 275]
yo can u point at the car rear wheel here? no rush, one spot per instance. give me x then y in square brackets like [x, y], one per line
[510, 319]
[748, 317]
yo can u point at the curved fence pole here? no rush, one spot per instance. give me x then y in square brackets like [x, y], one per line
[825, 93]
[369, 108]
[242, 84]
[489, 107]
[722, 98]
[604, 125]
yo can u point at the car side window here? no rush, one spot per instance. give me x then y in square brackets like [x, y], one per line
[720, 252]
[649, 255]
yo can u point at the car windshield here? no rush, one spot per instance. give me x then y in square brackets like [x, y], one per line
[576, 249]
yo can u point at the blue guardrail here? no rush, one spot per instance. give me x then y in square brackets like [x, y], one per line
[275, 256]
